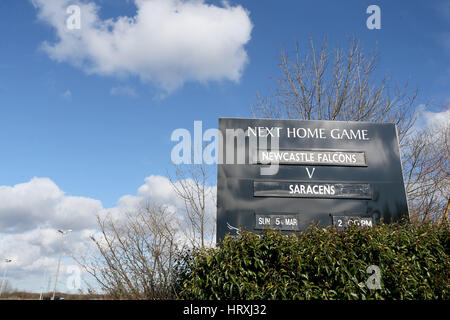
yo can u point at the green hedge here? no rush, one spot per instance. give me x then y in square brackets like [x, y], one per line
[322, 264]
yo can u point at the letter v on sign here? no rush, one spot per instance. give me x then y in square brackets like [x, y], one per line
[310, 174]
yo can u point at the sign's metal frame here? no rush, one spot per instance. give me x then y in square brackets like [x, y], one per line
[237, 204]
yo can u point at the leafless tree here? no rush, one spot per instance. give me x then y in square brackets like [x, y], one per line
[342, 84]
[426, 156]
[191, 186]
[324, 84]
[135, 254]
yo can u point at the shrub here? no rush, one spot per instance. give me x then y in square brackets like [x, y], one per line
[322, 264]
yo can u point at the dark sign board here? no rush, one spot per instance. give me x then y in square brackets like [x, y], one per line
[286, 174]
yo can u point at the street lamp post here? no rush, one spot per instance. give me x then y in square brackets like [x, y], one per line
[63, 232]
[42, 287]
[4, 276]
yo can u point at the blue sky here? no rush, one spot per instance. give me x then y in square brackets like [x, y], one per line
[98, 135]
[99, 145]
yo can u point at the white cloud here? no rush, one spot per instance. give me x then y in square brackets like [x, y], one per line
[167, 42]
[39, 203]
[431, 119]
[158, 189]
[31, 212]
[34, 257]
[437, 118]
